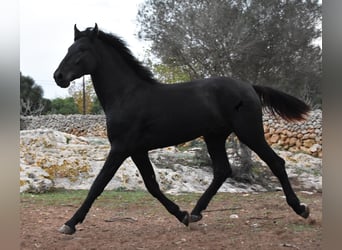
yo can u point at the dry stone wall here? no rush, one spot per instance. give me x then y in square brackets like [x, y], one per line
[79, 125]
[303, 136]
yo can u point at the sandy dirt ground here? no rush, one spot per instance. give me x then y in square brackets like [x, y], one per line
[231, 221]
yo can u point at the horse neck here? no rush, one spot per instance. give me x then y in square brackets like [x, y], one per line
[114, 80]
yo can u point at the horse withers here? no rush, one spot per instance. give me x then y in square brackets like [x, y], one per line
[143, 114]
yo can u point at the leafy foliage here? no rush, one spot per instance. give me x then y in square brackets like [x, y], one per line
[74, 104]
[96, 108]
[76, 91]
[31, 97]
[64, 106]
[168, 74]
[260, 41]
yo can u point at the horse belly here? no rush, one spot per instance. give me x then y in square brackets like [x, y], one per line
[172, 128]
[160, 139]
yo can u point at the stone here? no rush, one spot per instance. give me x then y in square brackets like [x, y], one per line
[34, 179]
[292, 141]
[304, 149]
[268, 136]
[308, 143]
[289, 133]
[278, 130]
[234, 216]
[274, 138]
[305, 136]
[312, 136]
[283, 137]
[315, 148]
[281, 142]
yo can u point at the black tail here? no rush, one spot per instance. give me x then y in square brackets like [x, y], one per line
[286, 106]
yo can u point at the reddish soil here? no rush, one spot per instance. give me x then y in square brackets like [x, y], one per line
[264, 222]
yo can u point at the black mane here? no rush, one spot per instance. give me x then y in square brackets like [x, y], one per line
[121, 47]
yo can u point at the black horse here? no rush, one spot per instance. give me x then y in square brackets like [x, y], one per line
[143, 114]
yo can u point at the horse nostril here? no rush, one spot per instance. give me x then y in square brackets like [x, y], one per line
[58, 75]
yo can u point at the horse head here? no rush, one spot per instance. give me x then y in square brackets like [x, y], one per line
[81, 58]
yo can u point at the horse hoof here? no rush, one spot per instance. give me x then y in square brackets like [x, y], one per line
[186, 219]
[306, 212]
[65, 229]
[195, 218]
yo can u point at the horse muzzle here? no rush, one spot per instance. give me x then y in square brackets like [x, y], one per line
[61, 79]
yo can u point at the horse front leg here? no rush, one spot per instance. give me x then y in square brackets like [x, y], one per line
[107, 172]
[144, 165]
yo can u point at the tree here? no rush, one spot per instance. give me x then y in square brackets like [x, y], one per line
[260, 41]
[31, 97]
[64, 106]
[167, 73]
[83, 98]
[97, 108]
[74, 104]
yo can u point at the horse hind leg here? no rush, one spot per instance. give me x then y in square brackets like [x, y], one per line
[253, 137]
[277, 166]
[221, 169]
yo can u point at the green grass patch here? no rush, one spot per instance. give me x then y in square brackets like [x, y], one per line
[56, 197]
[296, 227]
[115, 198]
[110, 198]
[75, 197]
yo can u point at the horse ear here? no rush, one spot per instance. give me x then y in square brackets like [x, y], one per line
[76, 33]
[95, 31]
